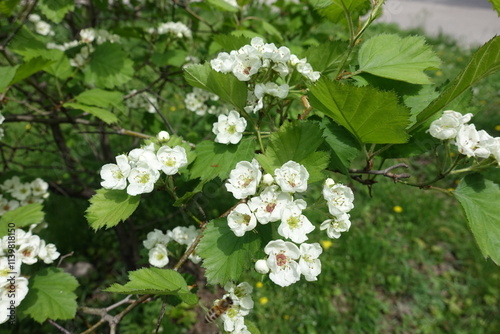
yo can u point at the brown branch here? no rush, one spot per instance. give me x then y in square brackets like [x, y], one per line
[59, 327]
[385, 172]
[45, 120]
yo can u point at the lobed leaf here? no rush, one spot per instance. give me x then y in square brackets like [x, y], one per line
[29, 68]
[55, 10]
[334, 11]
[109, 66]
[156, 281]
[106, 116]
[51, 296]
[225, 255]
[7, 73]
[393, 57]
[372, 116]
[480, 200]
[109, 207]
[101, 98]
[484, 62]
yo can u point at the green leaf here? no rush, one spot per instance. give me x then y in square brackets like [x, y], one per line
[326, 56]
[51, 296]
[334, 11]
[29, 68]
[55, 10]
[21, 216]
[175, 58]
[156, 281]
[27, 44]
[109, 207]
[271, 30]
[297, 141]
[372, 116]
[225, 255]
[227, 86]
[8, 6]
[217, 160]
[60, 67]
[496, 5]
[106, 116]
[7, 73]
[393, 57]
[109, 66]
[344, 147]
[484, 62]
[231, 42]
[101, 98]
[223, 5]
[480, 200]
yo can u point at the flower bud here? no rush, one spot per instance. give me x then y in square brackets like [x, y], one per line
[261, 266]
[163, 136]
[267, 179]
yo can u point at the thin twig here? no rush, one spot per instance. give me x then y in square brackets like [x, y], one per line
[385, 172]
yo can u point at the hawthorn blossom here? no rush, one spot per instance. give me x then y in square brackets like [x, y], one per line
[338, 197]
[115, 175]
[294, 225]
[145, 155]
[158, 256]
[467, 140]
[336, 225]
[241, 295]
[241, 220]
[244, 179]
[184, 235]
[172, 159]
[39, 187]
[447, 126]
[156, 237]
[163, 136]
[292, 177]
[309, 264]
[271, 88]
[48, 252]
[230, 128]
[177, 29]
[7, 205]
[142, 179]
[282, 256]
[269, 205]
[29, 249]
[224, 62]
[21, 191]
[261, 266]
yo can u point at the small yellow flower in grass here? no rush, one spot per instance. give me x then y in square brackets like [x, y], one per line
[460, 59]
[482, 102]
[326, 244]
[397, 209]
[263, 300]
[286, 317]
[452, 154]
[259, 284]
[497, 127]
[173, 108]
[451, 189]
[28, 127]
[439, 73]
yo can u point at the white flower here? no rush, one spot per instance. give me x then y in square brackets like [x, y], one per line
[241, 220]
[338, 197]
[241, 295]
[156, 237]
[230, 128]
[142, 179]
[254, 103]
[48, 252]
[493, 145]
[233, 320]
[87, 35]
[163, 136]
[10, 184]
[178, 29]
[247, 63]
[115, 175]
[447, 126]
[294, 225]
[267, 179]
[21, 191]
[291, 177]
[304, 68]
[172, 159]
[270, 204]
[272, 89]
[158, 256]
[309, 264]
[244, 179]
[336, 225]
[29, 249]
[224, 62]
[282, 256]
[43, 28]
[8, 268]
[39, 187]
[145, 155]
[184, 235]
[467, 140]
[34, 18]
[17, 289]
[6, 205]
[261, 266]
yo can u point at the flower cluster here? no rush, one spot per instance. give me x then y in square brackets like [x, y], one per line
[157, 241]
[143, 100]
[197, 102]
[454, 126]
[260, 58]
[229, 128]
[41, 27]
[16, 193]
[176, 29]
[87, 37]
[340, 201]
[16, 248]
[142, 166]
[233, 319]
